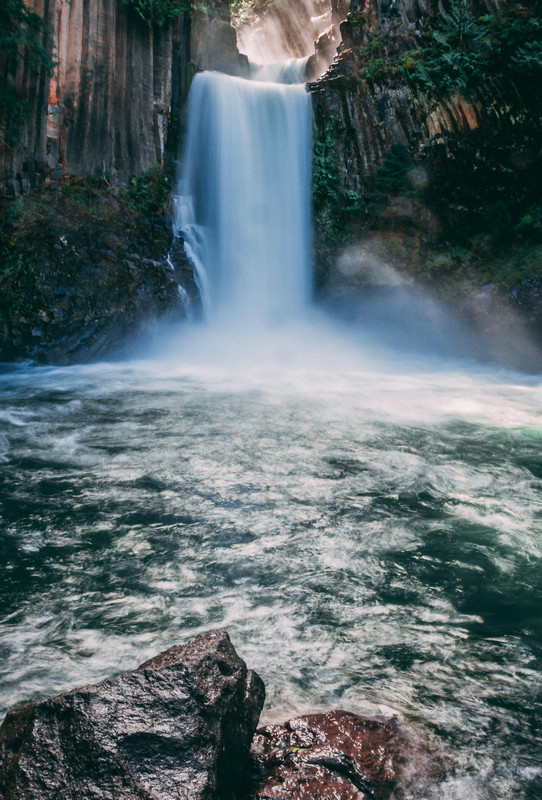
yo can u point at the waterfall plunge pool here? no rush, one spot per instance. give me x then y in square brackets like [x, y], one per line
[366, 527]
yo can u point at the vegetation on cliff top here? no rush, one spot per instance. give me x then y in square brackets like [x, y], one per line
[462, 51]
[159, 12]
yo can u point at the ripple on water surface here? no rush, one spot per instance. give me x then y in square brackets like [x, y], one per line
[369, 537]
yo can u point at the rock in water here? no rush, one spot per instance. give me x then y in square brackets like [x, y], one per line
[179, 726]
[334, 755]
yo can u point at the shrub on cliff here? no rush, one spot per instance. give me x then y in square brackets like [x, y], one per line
[159, 12]
[149, 192]
[467, 49]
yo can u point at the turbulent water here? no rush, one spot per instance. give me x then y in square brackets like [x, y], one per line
[367, 530]
[367, 525]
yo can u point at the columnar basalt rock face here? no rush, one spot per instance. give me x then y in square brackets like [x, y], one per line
[178, 726]
[371, 113]
[118, 83]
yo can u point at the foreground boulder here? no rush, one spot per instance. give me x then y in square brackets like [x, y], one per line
[179, 726]
[333, 755]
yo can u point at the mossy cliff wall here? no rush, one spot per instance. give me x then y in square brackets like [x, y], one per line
[427, 126]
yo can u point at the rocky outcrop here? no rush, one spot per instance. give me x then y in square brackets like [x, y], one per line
[87, 273]
[115, 100]
[177, 727]
[337, 754]
[181, 726]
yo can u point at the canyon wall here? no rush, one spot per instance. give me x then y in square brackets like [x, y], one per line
[428, 164]
[373, 109]
[114, 103]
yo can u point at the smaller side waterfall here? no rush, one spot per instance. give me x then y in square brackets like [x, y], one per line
[243, 202]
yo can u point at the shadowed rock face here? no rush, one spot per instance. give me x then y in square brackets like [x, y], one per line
[177, 727]
[333, 755]
[114, 103]
[95, 283]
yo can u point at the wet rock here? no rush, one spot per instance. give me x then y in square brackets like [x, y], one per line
[214, 46]
[94, 283]
[527, 295]
[179, 726]
[332, 755]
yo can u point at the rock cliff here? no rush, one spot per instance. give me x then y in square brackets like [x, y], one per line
[115, 99]
[428, 150]
[86, 253]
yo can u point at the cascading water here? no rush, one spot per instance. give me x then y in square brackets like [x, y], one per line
[244, 194]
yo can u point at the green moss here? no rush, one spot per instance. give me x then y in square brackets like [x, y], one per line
[70, 204]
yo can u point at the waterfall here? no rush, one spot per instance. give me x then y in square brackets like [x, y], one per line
[243, 202]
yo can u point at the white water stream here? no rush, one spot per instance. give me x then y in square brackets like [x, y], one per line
[244, 195]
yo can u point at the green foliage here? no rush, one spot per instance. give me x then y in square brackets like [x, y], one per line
[382, 57]
[22, 28]
[246, 11]
[468, 50]
[149, 192]
[14, 110]
[461, 47]
[15, 264]
[462, 52]
[23, 35]
[335, 206]
[328, 195]
[488, 181]
[159, 12]
[530, 225]
[15, 272]
[392, 176]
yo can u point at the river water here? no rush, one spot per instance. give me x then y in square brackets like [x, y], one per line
[365, 525]
[365, 521]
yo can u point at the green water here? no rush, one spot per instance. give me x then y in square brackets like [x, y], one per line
[369, 532]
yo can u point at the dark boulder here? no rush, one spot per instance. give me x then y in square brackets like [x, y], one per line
[179, 726]
[86, 277]
[333, 755]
